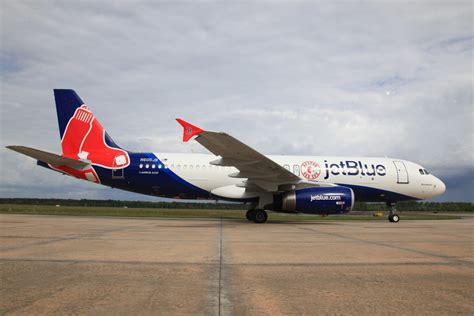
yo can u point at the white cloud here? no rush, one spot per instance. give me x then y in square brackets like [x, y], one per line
[292, 78]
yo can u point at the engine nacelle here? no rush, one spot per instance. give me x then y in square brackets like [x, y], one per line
[321, 200]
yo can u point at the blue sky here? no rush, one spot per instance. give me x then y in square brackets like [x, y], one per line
[324, 78]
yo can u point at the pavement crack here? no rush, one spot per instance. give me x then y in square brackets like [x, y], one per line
[220, 268]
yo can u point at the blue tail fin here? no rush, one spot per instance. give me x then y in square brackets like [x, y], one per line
[67, 102]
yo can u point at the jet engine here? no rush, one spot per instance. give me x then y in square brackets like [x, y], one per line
[315, 200]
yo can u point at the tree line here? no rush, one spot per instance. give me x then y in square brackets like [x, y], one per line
[359, 206]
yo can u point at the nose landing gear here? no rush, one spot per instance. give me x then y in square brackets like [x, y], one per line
[393, 217]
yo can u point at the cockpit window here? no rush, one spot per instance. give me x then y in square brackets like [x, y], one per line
[426, 171]
[421, 171]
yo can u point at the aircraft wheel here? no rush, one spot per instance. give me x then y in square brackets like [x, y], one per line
[250, 215]
[394, 218]
[260, 216]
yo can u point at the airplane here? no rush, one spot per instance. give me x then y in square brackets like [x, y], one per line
[232, 172]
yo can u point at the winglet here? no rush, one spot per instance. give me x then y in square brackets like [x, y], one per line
[189, 129]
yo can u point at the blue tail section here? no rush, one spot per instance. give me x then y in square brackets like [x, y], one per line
[67, 101]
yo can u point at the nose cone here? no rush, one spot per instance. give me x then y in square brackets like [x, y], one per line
[440, 187]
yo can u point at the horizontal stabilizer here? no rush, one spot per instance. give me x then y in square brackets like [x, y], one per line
[53, 159]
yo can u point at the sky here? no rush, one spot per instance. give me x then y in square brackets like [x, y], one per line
[342, 78]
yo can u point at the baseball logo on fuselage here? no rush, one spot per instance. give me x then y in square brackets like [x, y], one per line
[310, 170]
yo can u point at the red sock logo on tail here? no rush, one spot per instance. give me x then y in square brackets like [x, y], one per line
[84, 138]
[86, 174]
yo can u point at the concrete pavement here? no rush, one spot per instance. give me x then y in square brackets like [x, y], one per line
[88, 265]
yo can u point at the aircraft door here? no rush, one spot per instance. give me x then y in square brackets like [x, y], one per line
[402, 173]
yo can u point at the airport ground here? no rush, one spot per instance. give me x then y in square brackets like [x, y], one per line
[212, 213]
[109, 266]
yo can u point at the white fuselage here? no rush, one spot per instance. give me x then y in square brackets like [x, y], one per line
[383, 174]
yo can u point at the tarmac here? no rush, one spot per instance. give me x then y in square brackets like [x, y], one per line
[120, 266]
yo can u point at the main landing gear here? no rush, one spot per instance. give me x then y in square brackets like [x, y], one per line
[393, 217]
[258, 216]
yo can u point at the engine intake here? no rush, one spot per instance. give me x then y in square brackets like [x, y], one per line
[321, 200]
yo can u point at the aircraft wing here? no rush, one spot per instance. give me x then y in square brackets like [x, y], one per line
[53, 159]
[251, 164]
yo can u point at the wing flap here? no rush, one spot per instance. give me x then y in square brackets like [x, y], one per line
[53, 159]
[243, 157]
[226, 162]
[253, 175]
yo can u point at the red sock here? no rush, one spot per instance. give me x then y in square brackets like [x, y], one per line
[76, 131]
[84, 139]
[87, 174]
[100, 153]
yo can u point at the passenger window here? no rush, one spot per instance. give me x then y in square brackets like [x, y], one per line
[421, 171]
[159, 166]
[190, 166]
[296, 170]
[178, 166]
[147, 166]
[140, 166]
[153, 166]
[185, 166]
[197, 166]
[287, 167]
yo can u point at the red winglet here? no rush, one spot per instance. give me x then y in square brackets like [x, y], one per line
[189, 130]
